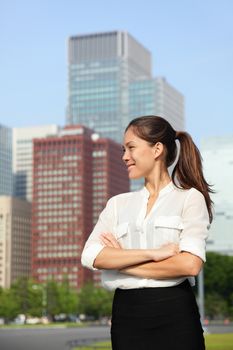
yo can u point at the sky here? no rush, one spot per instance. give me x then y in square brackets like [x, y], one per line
[191, 42]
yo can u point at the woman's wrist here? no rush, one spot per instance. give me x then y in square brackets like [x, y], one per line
[152, 254]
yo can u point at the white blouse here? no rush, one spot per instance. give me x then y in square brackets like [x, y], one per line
[178, 216]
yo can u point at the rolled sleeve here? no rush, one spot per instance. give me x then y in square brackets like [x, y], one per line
[94, 245]
[195, 225]
[89, 254]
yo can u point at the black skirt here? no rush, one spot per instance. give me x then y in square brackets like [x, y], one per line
[156, 319]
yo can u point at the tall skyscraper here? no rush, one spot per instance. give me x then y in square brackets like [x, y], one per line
[15, 240]
[156, 97]
[169, 102]
[6, 183]
[217, 153]
[23, 156]
[110, 82]
[71, 179]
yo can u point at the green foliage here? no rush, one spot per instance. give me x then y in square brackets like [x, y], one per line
[95, 301]
[231, 306]
[52, 299]
[218, 279]
[9, 308]
[215, 305]
[27, 297]
[67, 298]
[32, 299]
[219, 274]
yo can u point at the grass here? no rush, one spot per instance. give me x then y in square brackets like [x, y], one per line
[213, 342]
[219, 341]
[101, 346]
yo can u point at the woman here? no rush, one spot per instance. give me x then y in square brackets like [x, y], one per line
[150, 243]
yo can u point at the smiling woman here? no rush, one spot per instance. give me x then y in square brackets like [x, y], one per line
[150, 243]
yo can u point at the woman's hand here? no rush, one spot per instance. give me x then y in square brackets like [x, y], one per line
[166, 251]
[109, 240]
[114, 257]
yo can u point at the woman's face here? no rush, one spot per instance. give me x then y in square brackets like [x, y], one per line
[139, 156]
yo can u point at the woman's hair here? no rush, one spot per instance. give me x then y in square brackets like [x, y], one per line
[188, 169]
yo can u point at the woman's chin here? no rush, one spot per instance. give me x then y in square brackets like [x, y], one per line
[135, 176]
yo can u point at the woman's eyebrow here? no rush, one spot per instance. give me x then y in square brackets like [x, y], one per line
[127, 144]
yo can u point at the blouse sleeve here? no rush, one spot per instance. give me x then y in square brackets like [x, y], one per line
[195, 225]
[94, 245]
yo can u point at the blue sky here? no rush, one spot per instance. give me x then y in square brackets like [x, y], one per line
[191, 42]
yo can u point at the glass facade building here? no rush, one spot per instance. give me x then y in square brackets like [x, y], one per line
[6, 186]
[217, 153]
[110, 82]
[156, 96]
[23, 157]
[142, 97]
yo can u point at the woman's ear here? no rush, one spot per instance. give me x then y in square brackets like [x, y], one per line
[158, 149]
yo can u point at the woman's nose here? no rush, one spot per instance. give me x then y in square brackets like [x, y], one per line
[125, 156]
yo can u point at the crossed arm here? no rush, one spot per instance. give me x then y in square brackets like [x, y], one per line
[165, 262]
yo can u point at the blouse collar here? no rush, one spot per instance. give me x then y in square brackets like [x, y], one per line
[166, 189]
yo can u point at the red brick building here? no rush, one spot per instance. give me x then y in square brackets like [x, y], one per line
[109, 173]
[109, 177]
[74, 174]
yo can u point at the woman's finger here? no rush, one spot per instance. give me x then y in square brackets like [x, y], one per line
[106, 241]
[111, 240]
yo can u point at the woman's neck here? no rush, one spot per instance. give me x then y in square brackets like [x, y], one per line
[155, 184]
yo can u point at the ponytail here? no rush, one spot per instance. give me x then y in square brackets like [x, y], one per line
[188, 169]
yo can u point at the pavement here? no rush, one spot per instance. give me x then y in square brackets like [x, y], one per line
[48, 338]
[59, 338]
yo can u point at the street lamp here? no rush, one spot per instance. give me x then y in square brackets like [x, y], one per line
[201, 297]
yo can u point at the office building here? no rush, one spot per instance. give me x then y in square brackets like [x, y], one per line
[70, 186]
[109, 173]
[109, 177]
[217, 153]
[110, 82]
[6, 184]
[156, 97]
[169, 103]
[23, 156]
[15, 240]
[62, 204]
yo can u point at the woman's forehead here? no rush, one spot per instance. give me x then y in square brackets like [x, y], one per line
[131, 137]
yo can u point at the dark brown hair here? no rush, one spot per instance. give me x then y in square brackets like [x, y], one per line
[188, 169]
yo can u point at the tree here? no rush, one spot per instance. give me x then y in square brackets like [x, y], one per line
[37, 300]
[52, 299]
[21, 294]
[218, 273]
[68, 298]
[95, 301]
[216, 306]
[9, 307]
